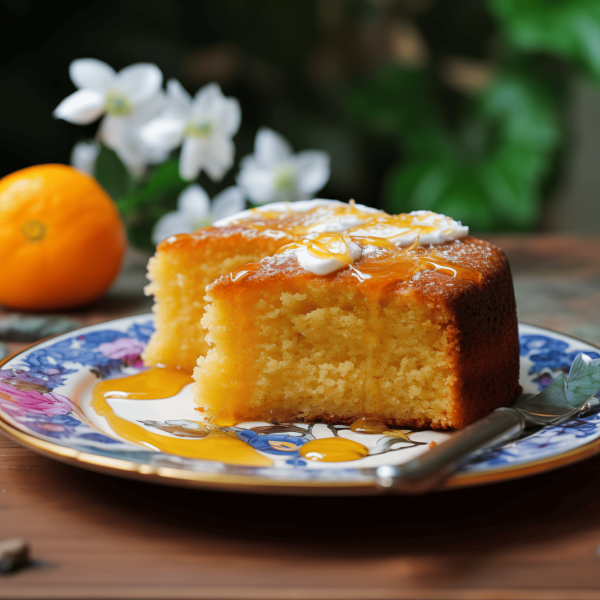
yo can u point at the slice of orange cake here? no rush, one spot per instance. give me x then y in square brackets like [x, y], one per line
[185, 264]
[405, 319]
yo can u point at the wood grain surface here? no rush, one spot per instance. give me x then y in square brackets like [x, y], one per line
[98, 536]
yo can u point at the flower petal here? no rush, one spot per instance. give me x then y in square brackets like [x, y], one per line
[219, 155]
[194, 202]
[163, 132]
[148, 110]
[119, 134]
[111, 131]
[229, 117]
[171, 224]
[257, 181]
[207, 101]
[133, 158]
[270, 147]
[141, 116]
[84, 155]
[154, 156]
[229, 202]
[81, 107]
[92, 74]
[312, 170]
[192, 158]
[179, 102]
[139, 82]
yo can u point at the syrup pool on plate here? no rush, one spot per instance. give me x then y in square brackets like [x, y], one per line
[158, 383]
[210, 440]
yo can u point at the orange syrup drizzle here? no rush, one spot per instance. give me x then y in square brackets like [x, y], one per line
[333, 450]
[159, 383]
[299, 224]
[402, 263]
[404, 222]
[243, 271]
[375, 426]
[324, 246]
[224, 446]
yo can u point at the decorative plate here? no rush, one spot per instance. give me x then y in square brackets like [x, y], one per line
[45, 393]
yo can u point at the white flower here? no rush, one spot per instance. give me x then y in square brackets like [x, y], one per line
[204, 125]
[129, 98]
[84, 155]
[194, 211]
[273, 173]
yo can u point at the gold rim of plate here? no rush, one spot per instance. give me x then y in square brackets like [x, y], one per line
[257, 484]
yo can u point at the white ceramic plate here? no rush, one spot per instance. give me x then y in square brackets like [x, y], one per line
[44, 404]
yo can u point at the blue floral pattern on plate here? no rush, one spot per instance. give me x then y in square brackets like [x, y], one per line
[34, 397]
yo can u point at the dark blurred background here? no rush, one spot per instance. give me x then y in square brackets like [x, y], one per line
[486, 110]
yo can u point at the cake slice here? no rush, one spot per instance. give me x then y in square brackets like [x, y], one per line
[338, 327]
[185, 264]
[179, 273]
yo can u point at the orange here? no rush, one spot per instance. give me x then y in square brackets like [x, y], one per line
[61, 239]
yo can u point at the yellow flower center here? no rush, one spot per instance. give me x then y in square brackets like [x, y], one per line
[285, 180]
[199, 130]
[117, 104]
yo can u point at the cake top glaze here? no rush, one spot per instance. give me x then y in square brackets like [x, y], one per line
[311, 217]
[317, 225]
[436, 273]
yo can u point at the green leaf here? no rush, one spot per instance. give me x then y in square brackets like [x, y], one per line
[583, 379]
[582, 382]
[552, 395]
[416, 185]
[569, 28]
[443, 185]
[489, 168]
[142, 208]
[523, 109]
[513, 196]
[112, 174]
[165, 178]
[163, 184]
[465, 201]
[399, 102]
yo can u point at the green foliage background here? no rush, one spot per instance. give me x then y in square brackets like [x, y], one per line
[488, 166]
[402, 134]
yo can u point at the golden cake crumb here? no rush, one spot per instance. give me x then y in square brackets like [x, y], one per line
[287, 345]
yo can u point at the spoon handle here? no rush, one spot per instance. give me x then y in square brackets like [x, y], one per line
[426, 472]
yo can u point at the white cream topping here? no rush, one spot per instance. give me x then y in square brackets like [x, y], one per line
[296, 207]
[339, 223]
[324, 266]
[402, 230]
[446, 230]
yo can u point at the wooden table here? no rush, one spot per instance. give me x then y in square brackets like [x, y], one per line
[96, 536]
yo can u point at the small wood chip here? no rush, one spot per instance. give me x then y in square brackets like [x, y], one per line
[19, 328]
[14, 554]
[432, 444]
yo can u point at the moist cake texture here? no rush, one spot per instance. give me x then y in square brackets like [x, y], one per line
[325, 311]
[179, 273]
[185, 264]
[426, 350]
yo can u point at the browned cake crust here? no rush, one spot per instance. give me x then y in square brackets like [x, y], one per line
[213, 241]
[478, 318]
[486, 333]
